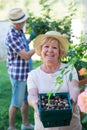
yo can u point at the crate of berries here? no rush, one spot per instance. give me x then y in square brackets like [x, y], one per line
[56, 111]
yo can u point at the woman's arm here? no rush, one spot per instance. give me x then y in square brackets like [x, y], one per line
[33, 99]
[74, 90]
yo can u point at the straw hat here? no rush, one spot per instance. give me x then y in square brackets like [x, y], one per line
[17, 15]
[38, 42]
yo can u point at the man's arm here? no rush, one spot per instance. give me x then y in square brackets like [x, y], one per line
[26, 55]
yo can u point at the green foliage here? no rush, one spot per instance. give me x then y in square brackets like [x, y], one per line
[41, 25]
[3, 119]
[79, 53]
[46, 7]
[70, 76]
[65, 70]
[59, 80]
[49, 95]
[36, 63]
[46, 22]
[79, 50]
[84, 121]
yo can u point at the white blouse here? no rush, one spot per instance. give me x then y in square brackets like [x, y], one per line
[45, 82]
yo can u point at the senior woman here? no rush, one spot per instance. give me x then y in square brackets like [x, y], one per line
[52, 46]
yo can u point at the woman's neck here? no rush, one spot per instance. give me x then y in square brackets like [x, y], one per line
[50, 68]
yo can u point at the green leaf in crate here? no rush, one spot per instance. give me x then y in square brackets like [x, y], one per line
[84, 119]
[70, 76]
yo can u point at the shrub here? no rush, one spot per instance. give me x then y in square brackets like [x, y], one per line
[46, 22]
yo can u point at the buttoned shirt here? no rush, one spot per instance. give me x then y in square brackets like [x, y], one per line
[17, 67]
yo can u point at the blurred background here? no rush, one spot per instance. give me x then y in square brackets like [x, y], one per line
[49, 9]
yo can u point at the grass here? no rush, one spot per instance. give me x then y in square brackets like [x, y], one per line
[5, 97]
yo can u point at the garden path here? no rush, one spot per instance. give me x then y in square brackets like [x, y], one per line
[4, 25]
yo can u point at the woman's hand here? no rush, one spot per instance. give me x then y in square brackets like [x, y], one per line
[33, 99]
[73, 105]
[74, 90]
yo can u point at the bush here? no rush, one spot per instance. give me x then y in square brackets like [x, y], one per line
[46, 22]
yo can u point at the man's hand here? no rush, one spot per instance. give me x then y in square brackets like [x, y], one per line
[33, 35]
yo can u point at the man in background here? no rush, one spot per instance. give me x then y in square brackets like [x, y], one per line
[18, 65]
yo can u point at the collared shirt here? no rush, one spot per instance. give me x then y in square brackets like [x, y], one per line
[17, 67]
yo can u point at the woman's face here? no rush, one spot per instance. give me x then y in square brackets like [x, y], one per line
[50, 51]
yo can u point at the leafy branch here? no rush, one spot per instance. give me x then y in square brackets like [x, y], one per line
[59, 78]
